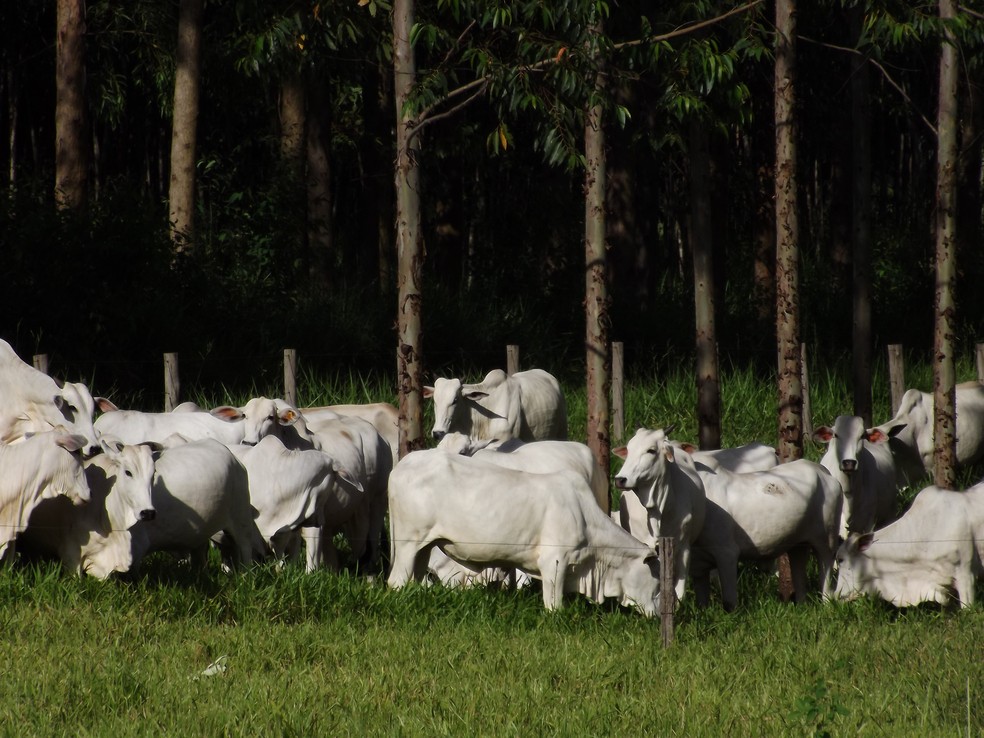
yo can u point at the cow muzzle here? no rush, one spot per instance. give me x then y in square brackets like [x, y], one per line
[148, 514]
[849, 465]
[439, 434]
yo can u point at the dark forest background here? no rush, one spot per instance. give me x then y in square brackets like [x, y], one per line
[103, 291]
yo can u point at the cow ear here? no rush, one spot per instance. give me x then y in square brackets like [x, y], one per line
[288, 417]
[895, 430]
[71, 442]
[621, 452]
[154, 446]
[345, 476]
[865, 541]
[428, 391]
[823, 434]
[875, 435]
[688, 447]
[227, 413]
[104, 405]
[475, 395]
[111, 444]
[668, 453]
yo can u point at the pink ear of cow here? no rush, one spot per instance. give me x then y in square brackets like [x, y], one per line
[104, 405]
[227, 412]
[865, 541]
[621, 452]
[823, 434]
[428, 391]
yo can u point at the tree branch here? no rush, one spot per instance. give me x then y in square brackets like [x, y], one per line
[426, 116]
[422, 122]
[684, 30]
[885, 74]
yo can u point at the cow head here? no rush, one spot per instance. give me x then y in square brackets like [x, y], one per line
[129, 472]
[77, 407]
[450, 411]
[854, 569]
[648, 456]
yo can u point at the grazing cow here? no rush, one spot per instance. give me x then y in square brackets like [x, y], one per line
[296, 489]
[538, 457]
[41, 467]
[92, 539]
[753, 456]
[662, 496]
[760, 515]
[134, 426]
[527, 405]
[33, 402]
[863, 464]
[916, 438]
[200, 489]
[933, 553]
[546, 525]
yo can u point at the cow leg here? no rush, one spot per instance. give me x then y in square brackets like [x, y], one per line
[312, 546]
[552, 571]
[963, 581]
[405, 564]
[682, 563]
[798, 556]
[727, 567]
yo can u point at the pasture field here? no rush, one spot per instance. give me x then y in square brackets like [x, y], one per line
[335, 654]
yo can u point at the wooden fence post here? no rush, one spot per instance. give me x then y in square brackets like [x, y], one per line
[512, 359]
[172, 382]
[618, 391]
[896, 374]
[805, 381]
[41, 362]
[290, 377]
[980, 362]
[667, 592]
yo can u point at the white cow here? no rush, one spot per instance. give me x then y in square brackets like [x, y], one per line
[383, 416]
[292, 490]
[200, 489]
[527, 405]
[862, 462]
[916, 414]
[134, 426]
[547, 525]
[662, 496]
[43, 466]
[356, 446]
[262, 417]
[92, 539]
[538, 457]
[933, 553]
[754, 456]
[33, 402]
[758, 516]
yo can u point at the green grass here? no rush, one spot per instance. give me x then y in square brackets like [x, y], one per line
[334, 654]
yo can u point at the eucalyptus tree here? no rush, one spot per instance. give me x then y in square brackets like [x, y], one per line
[71, 115]
[184, 125]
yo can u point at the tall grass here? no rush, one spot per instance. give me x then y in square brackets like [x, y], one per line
[336, 654]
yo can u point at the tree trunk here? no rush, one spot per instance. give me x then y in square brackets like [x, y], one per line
[71, 139]
[597, 318]
[293, 121]
[321, 247]
[861, 230]
[787, 238]
[702, 248]
[184, 133]
[790, 446]
[409, 374]
[944, 373]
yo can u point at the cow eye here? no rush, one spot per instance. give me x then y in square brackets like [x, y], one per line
[128, 472]
[652, 450]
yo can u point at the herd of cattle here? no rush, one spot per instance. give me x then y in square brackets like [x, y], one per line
[504, 496]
